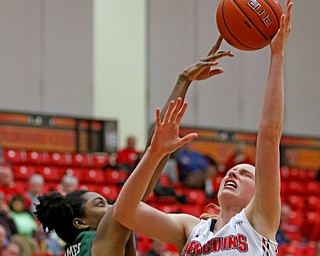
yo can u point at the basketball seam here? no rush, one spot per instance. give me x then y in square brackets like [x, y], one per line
[225, 23]
[265, 37]
[275, 15]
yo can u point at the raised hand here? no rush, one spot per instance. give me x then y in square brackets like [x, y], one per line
[203, 68]
[279, 40]
[166, 137]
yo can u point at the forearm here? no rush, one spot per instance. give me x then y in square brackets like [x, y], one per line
[135, 187]
[272, 114]
[267, 193]
[180, 90]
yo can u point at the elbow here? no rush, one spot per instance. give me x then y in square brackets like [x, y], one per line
[118, 215]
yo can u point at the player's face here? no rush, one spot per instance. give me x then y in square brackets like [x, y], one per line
[96, 206]
[238, 184]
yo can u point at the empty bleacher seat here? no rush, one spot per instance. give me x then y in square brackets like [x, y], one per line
[110, 192]
[36, 157]
[23, 172]
[51, 173]
[59, 158]
[113, 176]
[14, 155]
[92, 175]
[195, 196]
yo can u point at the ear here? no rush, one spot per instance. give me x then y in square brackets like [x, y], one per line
[80, 224]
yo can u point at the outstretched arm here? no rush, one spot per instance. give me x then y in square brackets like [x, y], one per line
[201, 70]
[111, 234]
[128, 209]
[264, 210]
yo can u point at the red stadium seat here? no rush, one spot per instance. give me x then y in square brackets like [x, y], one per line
[59, 158]
[93, 176]
[294, 174]
[90, 187]
[115, 176]
[23, 172]
[195, 210]
[311, 227]
[110, 192]
[312, 202]
[81, 159]
[296, 201]
[294, 187]
[167, 208]
[75, 172]
[296, 217]
[195, 196]
[284, 173]
[312, 188]
[311, 174]
[100, 160]
[51, 173]
[36, 157]
[14, 156]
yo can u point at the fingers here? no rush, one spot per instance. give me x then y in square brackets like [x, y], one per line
[216, 47]
[181, 112]
[176, 110]
[158, 117]
[168, 112]
[189, 137]
[289, 15]
[218, 55]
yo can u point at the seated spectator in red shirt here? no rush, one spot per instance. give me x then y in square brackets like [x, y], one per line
[128, 157]
[7, 184]
[239, 156]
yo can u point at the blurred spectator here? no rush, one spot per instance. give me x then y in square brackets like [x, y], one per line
[36, 182]
[160, 249]
[12, 249]
[239, 156]
[2, 160]
[7, 184]
[5, 217]
[54, 244]
[26, 225]
[289, 156]
[68, 183]
[196, 169]
[171, 170]
[288, 231]
[3, 238]
[128, 157]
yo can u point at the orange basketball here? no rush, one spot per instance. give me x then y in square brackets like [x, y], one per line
[248, 24]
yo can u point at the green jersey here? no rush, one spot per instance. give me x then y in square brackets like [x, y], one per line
[82, 245]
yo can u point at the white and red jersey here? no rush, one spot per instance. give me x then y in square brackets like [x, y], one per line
[237, 237]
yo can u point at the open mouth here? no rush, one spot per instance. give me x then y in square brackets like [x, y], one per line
[230, 184]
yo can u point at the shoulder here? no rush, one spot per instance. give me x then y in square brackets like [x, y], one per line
[110, 235]
[82, 245]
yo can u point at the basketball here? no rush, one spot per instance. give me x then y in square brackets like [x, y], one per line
[248, 24]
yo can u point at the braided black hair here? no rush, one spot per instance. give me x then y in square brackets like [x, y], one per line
[57, 212]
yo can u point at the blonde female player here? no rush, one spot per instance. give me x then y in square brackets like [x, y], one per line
[249, 196]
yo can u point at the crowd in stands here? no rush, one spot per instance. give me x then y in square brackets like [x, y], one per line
[23, 177]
